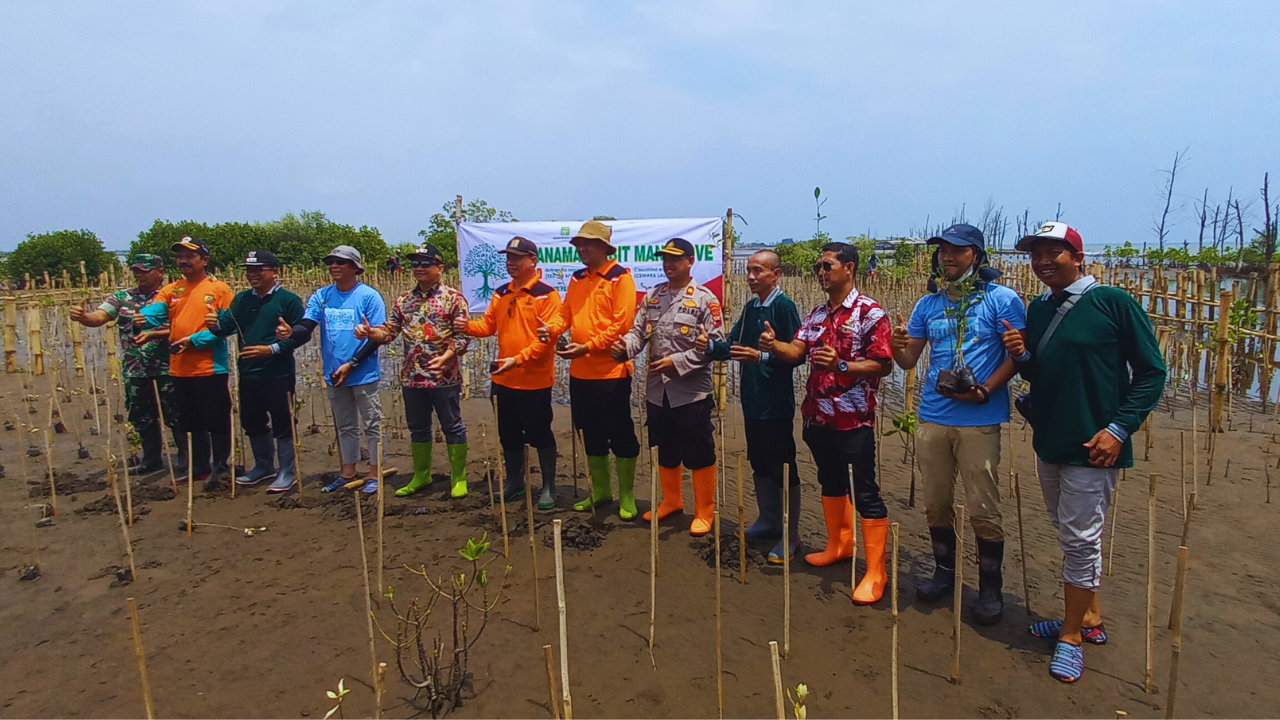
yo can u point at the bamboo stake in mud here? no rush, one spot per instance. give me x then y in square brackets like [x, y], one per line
[533, 546]
[488, 465]
[368, 601]
[564, 624]
[502, 484]
[142, 658]
[297, 443]
[1148, 683]
[124, 525]
[777, 680]
[893, 588]
[786, 565]
[719, 632]
[959, 587]
[742, 528]
[53, 488]
[173, 480]
[573, 436]
[653, 547]
[552, 700]
[381, 513]
[190, 482]
[853, 559]
[1179, 587]
[1182, 468]
[1111, 536]
[1022, 545]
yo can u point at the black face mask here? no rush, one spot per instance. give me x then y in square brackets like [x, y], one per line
[985, 272]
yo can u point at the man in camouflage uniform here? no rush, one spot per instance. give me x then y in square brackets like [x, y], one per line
[144, 361]
[678, 384]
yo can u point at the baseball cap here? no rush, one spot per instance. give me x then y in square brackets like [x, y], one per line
[261, 259]
[595, 230]
[428, 252]
[960, 234]
[348, 253]
[678, 247]
[146, 261]
[520, 246]
[190, 243]
[1059, 231]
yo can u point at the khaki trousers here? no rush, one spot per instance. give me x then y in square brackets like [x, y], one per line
[944, 451]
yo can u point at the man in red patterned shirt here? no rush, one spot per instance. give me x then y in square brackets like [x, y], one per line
[846, 341]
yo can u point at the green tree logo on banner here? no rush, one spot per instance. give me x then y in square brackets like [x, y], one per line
[486, 262]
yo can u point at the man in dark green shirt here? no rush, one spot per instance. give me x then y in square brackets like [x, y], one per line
[768, 398]
[266, 368]
[1096, 372]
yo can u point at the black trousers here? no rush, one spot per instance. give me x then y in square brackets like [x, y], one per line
[684, 435]
[204, 410]
[771, 446]
[602, 411]
[524, 418]
[446, 402]
[264, 406]
[834, 451]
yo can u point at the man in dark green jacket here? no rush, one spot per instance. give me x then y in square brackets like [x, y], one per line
[1096, 372]
[768, 399]
[266, 369]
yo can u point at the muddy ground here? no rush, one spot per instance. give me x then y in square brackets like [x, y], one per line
[263, 625]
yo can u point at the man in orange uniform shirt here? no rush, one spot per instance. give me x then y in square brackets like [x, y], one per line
[599, 308]
[525, 368]
[198, 362]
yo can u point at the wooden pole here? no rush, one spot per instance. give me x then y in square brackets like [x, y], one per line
[552, 700]
[173, 479]
[742, 527]
[719, 632]
[893, 588]
[1221, 368]
[653, 546]
[502, 475]
[368, 602]
[10, 335]
[1111, 536]
[381, 513]
[786, 565]
[1148, 684]
[124, 524]
[777, 680]
[53, 487]
[564, 625]
[956, 604]
[191, 481]
[35, 339]
[142, 658]
[1179, 587]
[533, 546]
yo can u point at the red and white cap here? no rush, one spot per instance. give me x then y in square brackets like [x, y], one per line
[1059, 231]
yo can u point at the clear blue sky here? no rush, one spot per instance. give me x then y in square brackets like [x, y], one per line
[115, 114]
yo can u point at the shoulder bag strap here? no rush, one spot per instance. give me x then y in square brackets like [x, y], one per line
[1057, 319]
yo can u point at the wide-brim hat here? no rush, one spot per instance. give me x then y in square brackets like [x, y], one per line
[348, 253]
[595, 230]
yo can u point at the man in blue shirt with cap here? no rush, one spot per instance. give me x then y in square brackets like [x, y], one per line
[964, 402]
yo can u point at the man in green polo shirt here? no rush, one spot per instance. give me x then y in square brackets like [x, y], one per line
[266, 368]
[1096, 372]
[768, 399]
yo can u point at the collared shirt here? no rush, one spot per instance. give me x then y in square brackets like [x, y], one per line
[183, 306]
[513, 314]
[859, 329]
[254, 318]
[669, 326]
[150, 360]
[426, 319]
[599, 308]
[766, 387]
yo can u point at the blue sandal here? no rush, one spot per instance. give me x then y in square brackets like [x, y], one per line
[1049, 629]
[1067, 664]
[337, 484]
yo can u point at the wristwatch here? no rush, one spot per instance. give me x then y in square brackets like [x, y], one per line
[842, 366]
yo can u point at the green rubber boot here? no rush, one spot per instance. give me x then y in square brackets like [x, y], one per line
[601, 483]
[626, 487]
[457, 470]
[421, 469]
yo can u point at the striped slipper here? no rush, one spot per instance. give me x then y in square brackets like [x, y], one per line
[1067, 664]
[1049, 629]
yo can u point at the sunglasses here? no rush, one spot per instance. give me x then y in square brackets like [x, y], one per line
[422, 263]
[824, 266]
[335, 261]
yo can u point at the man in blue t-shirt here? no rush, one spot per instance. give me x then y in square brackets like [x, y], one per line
[351, 367]
[964, 402]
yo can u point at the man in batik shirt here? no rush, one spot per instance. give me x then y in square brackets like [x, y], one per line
[430, 374]
[846, 342]
[144, 362]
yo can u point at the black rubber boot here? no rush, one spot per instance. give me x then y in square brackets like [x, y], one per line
[513, 486]
[152, 453]
[768, 524]
[547, 462]
[180, 456]
[943, 581]
[989, 607]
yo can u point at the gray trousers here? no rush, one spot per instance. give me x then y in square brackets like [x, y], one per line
[355, 407]
[1077, 498]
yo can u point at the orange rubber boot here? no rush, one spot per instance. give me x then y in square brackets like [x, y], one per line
[839, 514]
[672, 492]
[704, 501]
[875, 534]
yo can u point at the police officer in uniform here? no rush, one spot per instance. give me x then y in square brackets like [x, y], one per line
[678, 391]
